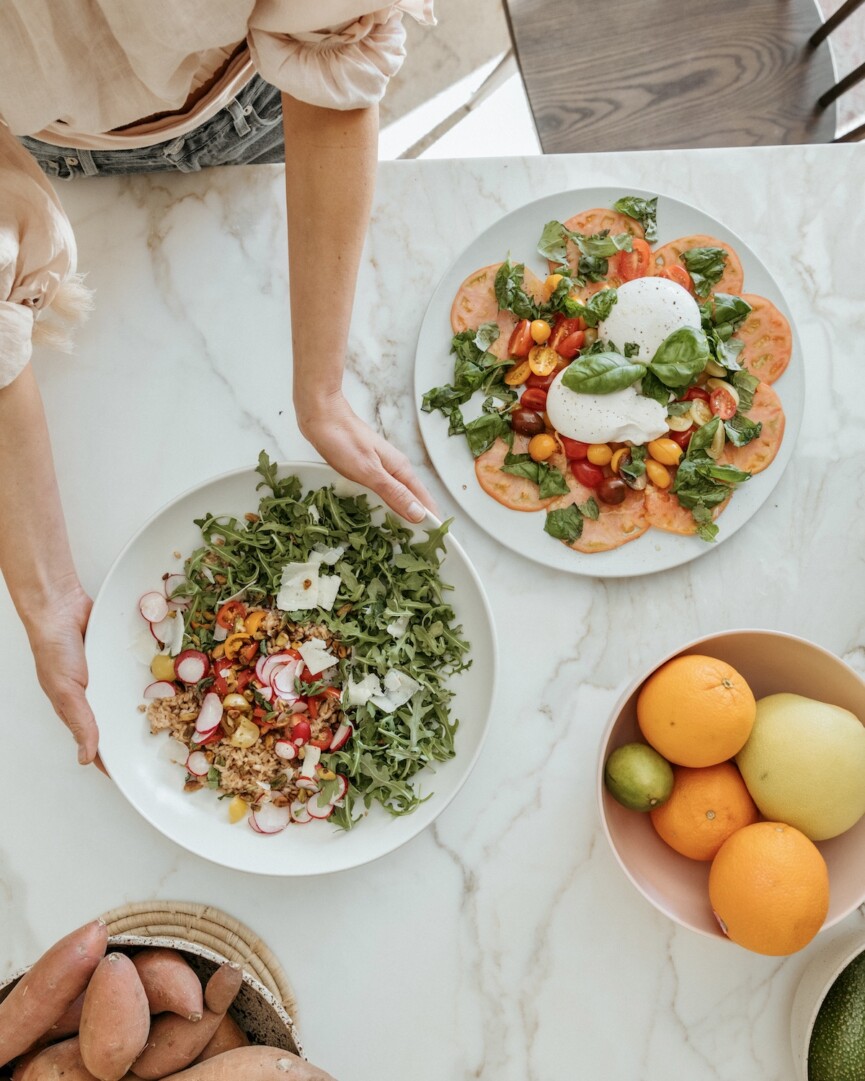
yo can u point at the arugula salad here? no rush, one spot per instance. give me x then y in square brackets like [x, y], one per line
[301, 661]
[629, 388]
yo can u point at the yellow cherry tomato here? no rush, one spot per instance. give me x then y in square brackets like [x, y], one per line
[245, 735]
[234, 643]
[700, 412]
[518, 374]
[665, 451]
[543, 360]
[618, 457]
[658, 474]
[162, 667]
[552, 282]
[254, 620]
[541, 447]
[237, 809]
[540, 330]
[599, 454]
[235, 701]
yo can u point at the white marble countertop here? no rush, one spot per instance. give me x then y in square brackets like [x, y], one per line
[504, 943]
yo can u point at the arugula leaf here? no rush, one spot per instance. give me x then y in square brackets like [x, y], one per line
[740, 430]
[564, 523]
[487, 333]
[590, 509]
[634, 464]
[653, 388]
[601, 373]
[485, 430]
[553, 242]
[645, 211]
[510, 294]
[680, 357]
[549, 480]
[746, 384]
[706, 266]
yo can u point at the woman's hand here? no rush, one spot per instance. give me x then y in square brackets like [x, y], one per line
[57, 641]
[362, 455]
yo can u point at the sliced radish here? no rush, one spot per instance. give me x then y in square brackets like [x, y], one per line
[299, 706]
[170, 586]
[271, 819]
[210, 714]
[285, 749]
[300, 733]
[266, 693]
[272, 661]
[220, 633]
[259, 668]
[191, 666]
[282, 680]
[203, 738]
[340, 737]
[169, 632]
[341, 791]
[307, 783]
[153, 606]
[300, 813]
[173, 751]
[197, 764]
[160, 689]
[252, 823]
[310, 761]
[319, 812]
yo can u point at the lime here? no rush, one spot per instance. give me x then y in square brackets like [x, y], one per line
[638, 777]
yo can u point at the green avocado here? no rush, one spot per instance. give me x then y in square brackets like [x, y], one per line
[837, 1049]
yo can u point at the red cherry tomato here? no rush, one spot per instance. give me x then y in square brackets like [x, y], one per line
[220, 670]
[541, 382]
[572, 345]
[332, 692]
[695, 392]
[634, 263]
[563, 328]
[244, 678]
[574, 449]
[324, 740]
[586, 473]
[722, 403]
[534, 398]
[682, 438]
[521, 339]
[229, 612]
[306, 676]
[679, 275]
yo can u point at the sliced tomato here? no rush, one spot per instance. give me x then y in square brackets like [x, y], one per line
[249, 653]
[563, 328]
[682, 438]
[312, 708]
[694, 392]
[229, 612]
[323, 741]
[331, 692]
[534, 398]
[542, 382]
[634, 263]
[258, 715]
[306, 676]
[572, 345]
[244, 678]
[220, 670]
[521, 339]
[575, 451]
[677, 273]
[722, 403]
[587, 474]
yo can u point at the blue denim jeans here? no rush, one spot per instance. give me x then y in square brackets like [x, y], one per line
[248, 130]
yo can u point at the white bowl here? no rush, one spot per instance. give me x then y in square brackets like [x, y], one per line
[154, 785]
[814, 986]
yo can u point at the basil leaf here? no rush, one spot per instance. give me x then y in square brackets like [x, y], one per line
[703, 437]
[602, 245]
[727, 352]
[444, 398]
[727, 474]
[727, 310]
[487, 333]
[593, 268]
[552, 482]
[706, 266]
[553, 242]
[633, 465]
[601, 373]
[706, 528]
[694, 488]
[599, 306]
[549, 480]
[456, 424]
[521, 465]
[483, 432]
[590, 509]
[510, 294]
[653, 388]
[680, 357]
[678, 409]
[560, 297]
[740, 430]
[746, 384]
[632, 349]
[645, 211]
[564, 523]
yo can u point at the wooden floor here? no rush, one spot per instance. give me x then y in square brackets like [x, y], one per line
[641, 74]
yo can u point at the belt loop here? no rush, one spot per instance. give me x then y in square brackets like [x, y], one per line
[238, 115]
[87, 164]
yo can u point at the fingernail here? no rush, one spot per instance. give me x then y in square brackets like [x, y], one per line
[82, 756]
[415, 512]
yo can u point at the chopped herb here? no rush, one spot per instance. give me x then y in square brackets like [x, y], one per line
[590, 509]
[645, 211]
[745, 384]
[706, 267]
[740, 430]
[510, 294]
[565, 524]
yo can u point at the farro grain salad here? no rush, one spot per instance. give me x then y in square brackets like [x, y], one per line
[303, 659]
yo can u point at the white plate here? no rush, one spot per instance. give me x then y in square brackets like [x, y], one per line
[154, 786]
[517, 234]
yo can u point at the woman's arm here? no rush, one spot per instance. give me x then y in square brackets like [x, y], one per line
[36, 561]
[331, 159]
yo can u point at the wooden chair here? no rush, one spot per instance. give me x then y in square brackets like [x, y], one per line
[643, 74]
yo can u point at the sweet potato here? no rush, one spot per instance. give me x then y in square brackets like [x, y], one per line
[253, 1064]
[169, 983]
[227, 1037]
[115, 1018]
[175, 1042]
[61, 1060]
[44, 993]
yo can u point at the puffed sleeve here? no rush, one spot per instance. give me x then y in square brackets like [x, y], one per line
[37, 259]
[343, 66]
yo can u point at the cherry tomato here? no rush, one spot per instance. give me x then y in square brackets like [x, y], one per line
[220, 670]
[249, 653]
[332, 692]
[521, 339]
[634, 263]
[572, 344]
[586, 473]
[323, 741]
[679, 275]
[612, 490]
[312, 708]
[306, 676]
[682, 438]
[527, 422]
[564, 328]
[695, 392]
[244, 678]
[542, 382]
[574, 449]
[722, 403]
[535, 398]
[229, 612]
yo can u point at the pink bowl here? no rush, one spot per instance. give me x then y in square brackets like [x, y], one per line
[771, 662]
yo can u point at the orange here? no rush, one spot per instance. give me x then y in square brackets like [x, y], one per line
[769, 888]
[696, 711]
[706, 806]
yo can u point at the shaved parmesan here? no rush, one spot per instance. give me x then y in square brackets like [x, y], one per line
[399, 626]
[399, 687]
[316, 655]
[358, 694]
[314, 512]
[321, 554]
[328, 587]
[299, 587]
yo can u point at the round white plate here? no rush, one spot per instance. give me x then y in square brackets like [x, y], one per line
[154, 786]
[517, 235]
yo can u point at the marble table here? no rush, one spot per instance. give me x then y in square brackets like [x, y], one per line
[504, 943]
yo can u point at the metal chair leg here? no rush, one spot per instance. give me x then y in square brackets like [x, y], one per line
[843, 85]
[834, 21]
